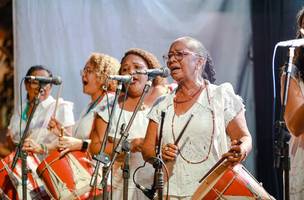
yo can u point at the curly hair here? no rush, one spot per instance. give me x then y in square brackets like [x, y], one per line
[104, 65]
[208, 71]
[151, 61]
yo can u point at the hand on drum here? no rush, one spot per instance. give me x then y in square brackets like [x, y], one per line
[31, 146]
[236, 154]
[169, 152]
[67, 143]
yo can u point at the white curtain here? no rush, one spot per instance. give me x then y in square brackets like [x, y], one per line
[61, 34]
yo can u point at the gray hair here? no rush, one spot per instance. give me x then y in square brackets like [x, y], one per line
[208, 71]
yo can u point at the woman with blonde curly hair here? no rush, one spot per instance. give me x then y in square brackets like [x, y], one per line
[94, 80]
[133, 60]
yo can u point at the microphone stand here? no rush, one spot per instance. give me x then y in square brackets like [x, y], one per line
[282, 159]
[101, 156]
[123, 143]
[23, 154]
[158, 174]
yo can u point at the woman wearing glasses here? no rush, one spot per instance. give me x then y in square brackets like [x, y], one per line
[39, 138]
[39, 134]
[94, 83]
[133, 60]
[214, 114]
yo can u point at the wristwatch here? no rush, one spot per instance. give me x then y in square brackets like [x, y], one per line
[85, 145]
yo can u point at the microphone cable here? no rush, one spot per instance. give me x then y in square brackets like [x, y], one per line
[167, 175]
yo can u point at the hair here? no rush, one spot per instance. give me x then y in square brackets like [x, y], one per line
[208, 71]
[104, 65]
[300, 16]
[298, 59]
[151, 61]
[34, 68]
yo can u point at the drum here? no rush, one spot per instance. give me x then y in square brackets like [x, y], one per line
[225, 182]
[68, 176]
[11, 182]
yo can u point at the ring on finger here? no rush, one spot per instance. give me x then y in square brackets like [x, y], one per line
[236, 155]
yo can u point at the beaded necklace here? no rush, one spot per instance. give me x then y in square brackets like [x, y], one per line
[191, 96]
[212, 134]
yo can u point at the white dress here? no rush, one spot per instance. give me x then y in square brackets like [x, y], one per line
[297, 162]
[204, 140]
[138, 129]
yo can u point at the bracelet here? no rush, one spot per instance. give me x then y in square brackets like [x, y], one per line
[44, 149]
[85, 145]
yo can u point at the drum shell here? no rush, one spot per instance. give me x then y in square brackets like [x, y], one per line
[230, 183]
[59, 174]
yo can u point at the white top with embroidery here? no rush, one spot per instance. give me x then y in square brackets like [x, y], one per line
[138, 129]
[38, 127]
[297, 161]
[195, 142]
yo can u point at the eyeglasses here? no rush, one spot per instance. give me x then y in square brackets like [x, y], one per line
[179, 55]
[86, 71]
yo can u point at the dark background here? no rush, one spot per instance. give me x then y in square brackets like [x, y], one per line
[272, 21]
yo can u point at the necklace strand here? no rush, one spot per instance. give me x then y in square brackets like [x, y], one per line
[212, 135]
[191, 96]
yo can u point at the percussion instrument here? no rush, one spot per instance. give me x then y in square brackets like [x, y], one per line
[68, 176]
[11, 182]
[226, 182]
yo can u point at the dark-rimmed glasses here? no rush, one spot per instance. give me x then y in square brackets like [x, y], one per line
[178, 55]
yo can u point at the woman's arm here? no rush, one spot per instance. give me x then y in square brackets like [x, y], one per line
[294, 113]
[241, 139]
[148, 148]
[96, 136]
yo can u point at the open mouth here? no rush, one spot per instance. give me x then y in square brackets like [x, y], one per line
[84, 82]
[174, 68]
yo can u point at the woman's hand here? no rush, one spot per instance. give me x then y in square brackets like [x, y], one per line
[67, 143]
[236, 154]
[32, 146]
[136, 145]
[54, 126]
[169, 152]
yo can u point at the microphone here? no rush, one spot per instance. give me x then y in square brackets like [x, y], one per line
[46, 80]
[292, 43]
[163, 72]
[121, 78]
[150, 193]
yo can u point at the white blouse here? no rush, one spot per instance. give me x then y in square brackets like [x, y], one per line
[137, 130]
[38, 127]
[204, 140]
[83, 126]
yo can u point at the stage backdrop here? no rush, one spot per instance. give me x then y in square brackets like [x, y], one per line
[61, 34]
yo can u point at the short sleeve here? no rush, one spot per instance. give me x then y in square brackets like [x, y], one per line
[13, 127]
[233, 104]
[103, 110]
[157, 108]
[65, 113]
